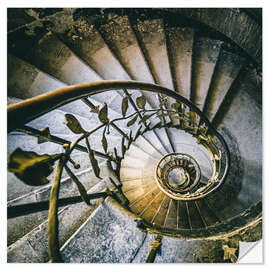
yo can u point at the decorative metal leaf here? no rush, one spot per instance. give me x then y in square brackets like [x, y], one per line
[146, 117]
[104, 143]
[179, 117]
[46, 133]
[94, 162]
[73, 124]
[176, 106]
[30, 167]
[103, 114]
[95, 109]
[132, 121]
[141, 101]
[123, 146]
[163, 102]
[165, 114]
[79, 185]
[124, 106]
[192, 117]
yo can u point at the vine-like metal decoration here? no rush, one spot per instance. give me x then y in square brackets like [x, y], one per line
[33, 169]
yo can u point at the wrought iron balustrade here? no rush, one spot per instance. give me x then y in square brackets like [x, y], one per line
[144, 107]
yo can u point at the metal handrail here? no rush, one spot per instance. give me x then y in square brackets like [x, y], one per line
[25, 111]
[22, 112]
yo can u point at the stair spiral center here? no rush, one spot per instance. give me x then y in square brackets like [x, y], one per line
[176, 174]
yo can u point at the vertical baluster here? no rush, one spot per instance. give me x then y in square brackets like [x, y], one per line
[53, 230]
[155, 248]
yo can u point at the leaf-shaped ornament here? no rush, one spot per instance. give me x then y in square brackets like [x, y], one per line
[179, 117]
[176, 106]
[165, 114]
[30, 167]
[146, 117]
[132, 121]
[45, 133]
[104, 143]
[103, 114]
[192, 117]
[73, 124]
[141, 101]
[94, 162]
[124, 106]
[79, 185]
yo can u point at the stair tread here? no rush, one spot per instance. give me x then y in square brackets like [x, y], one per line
[109, 222]
[171, 218]
[195, 219]
[151, 34]
[70, 218]
[139, 205]
[56, 59]
[205, 56]
[226, 71]
[95, 52]
[121, 39]
[183, 219]
[35, 82]
[19, 226]
[181, 42]
[136, 45]
[161, 214]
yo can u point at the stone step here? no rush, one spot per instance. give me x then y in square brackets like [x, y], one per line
[135, 193]
[122, 41]
[92, 49]
[140, 204]
[153, 207]
[136, 161]
[19, 226]
[152, 39]
[205, 56]
[147, 147]
[160, 216]
[208, 215]
[226, 71]
[55, 58]
[33, 247]
[26, 81]
[171, 217]
[155, 141]
[114, 236]
[195, 219]
[183, 216]
[180, 48]
[140, 153]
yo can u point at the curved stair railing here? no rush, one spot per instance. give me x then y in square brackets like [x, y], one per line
[170, 111]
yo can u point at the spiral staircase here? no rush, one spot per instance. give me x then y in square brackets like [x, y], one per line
[134, 135]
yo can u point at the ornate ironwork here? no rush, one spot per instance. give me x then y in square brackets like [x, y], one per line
[177, 175]
[27, 164]
[155, 247]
